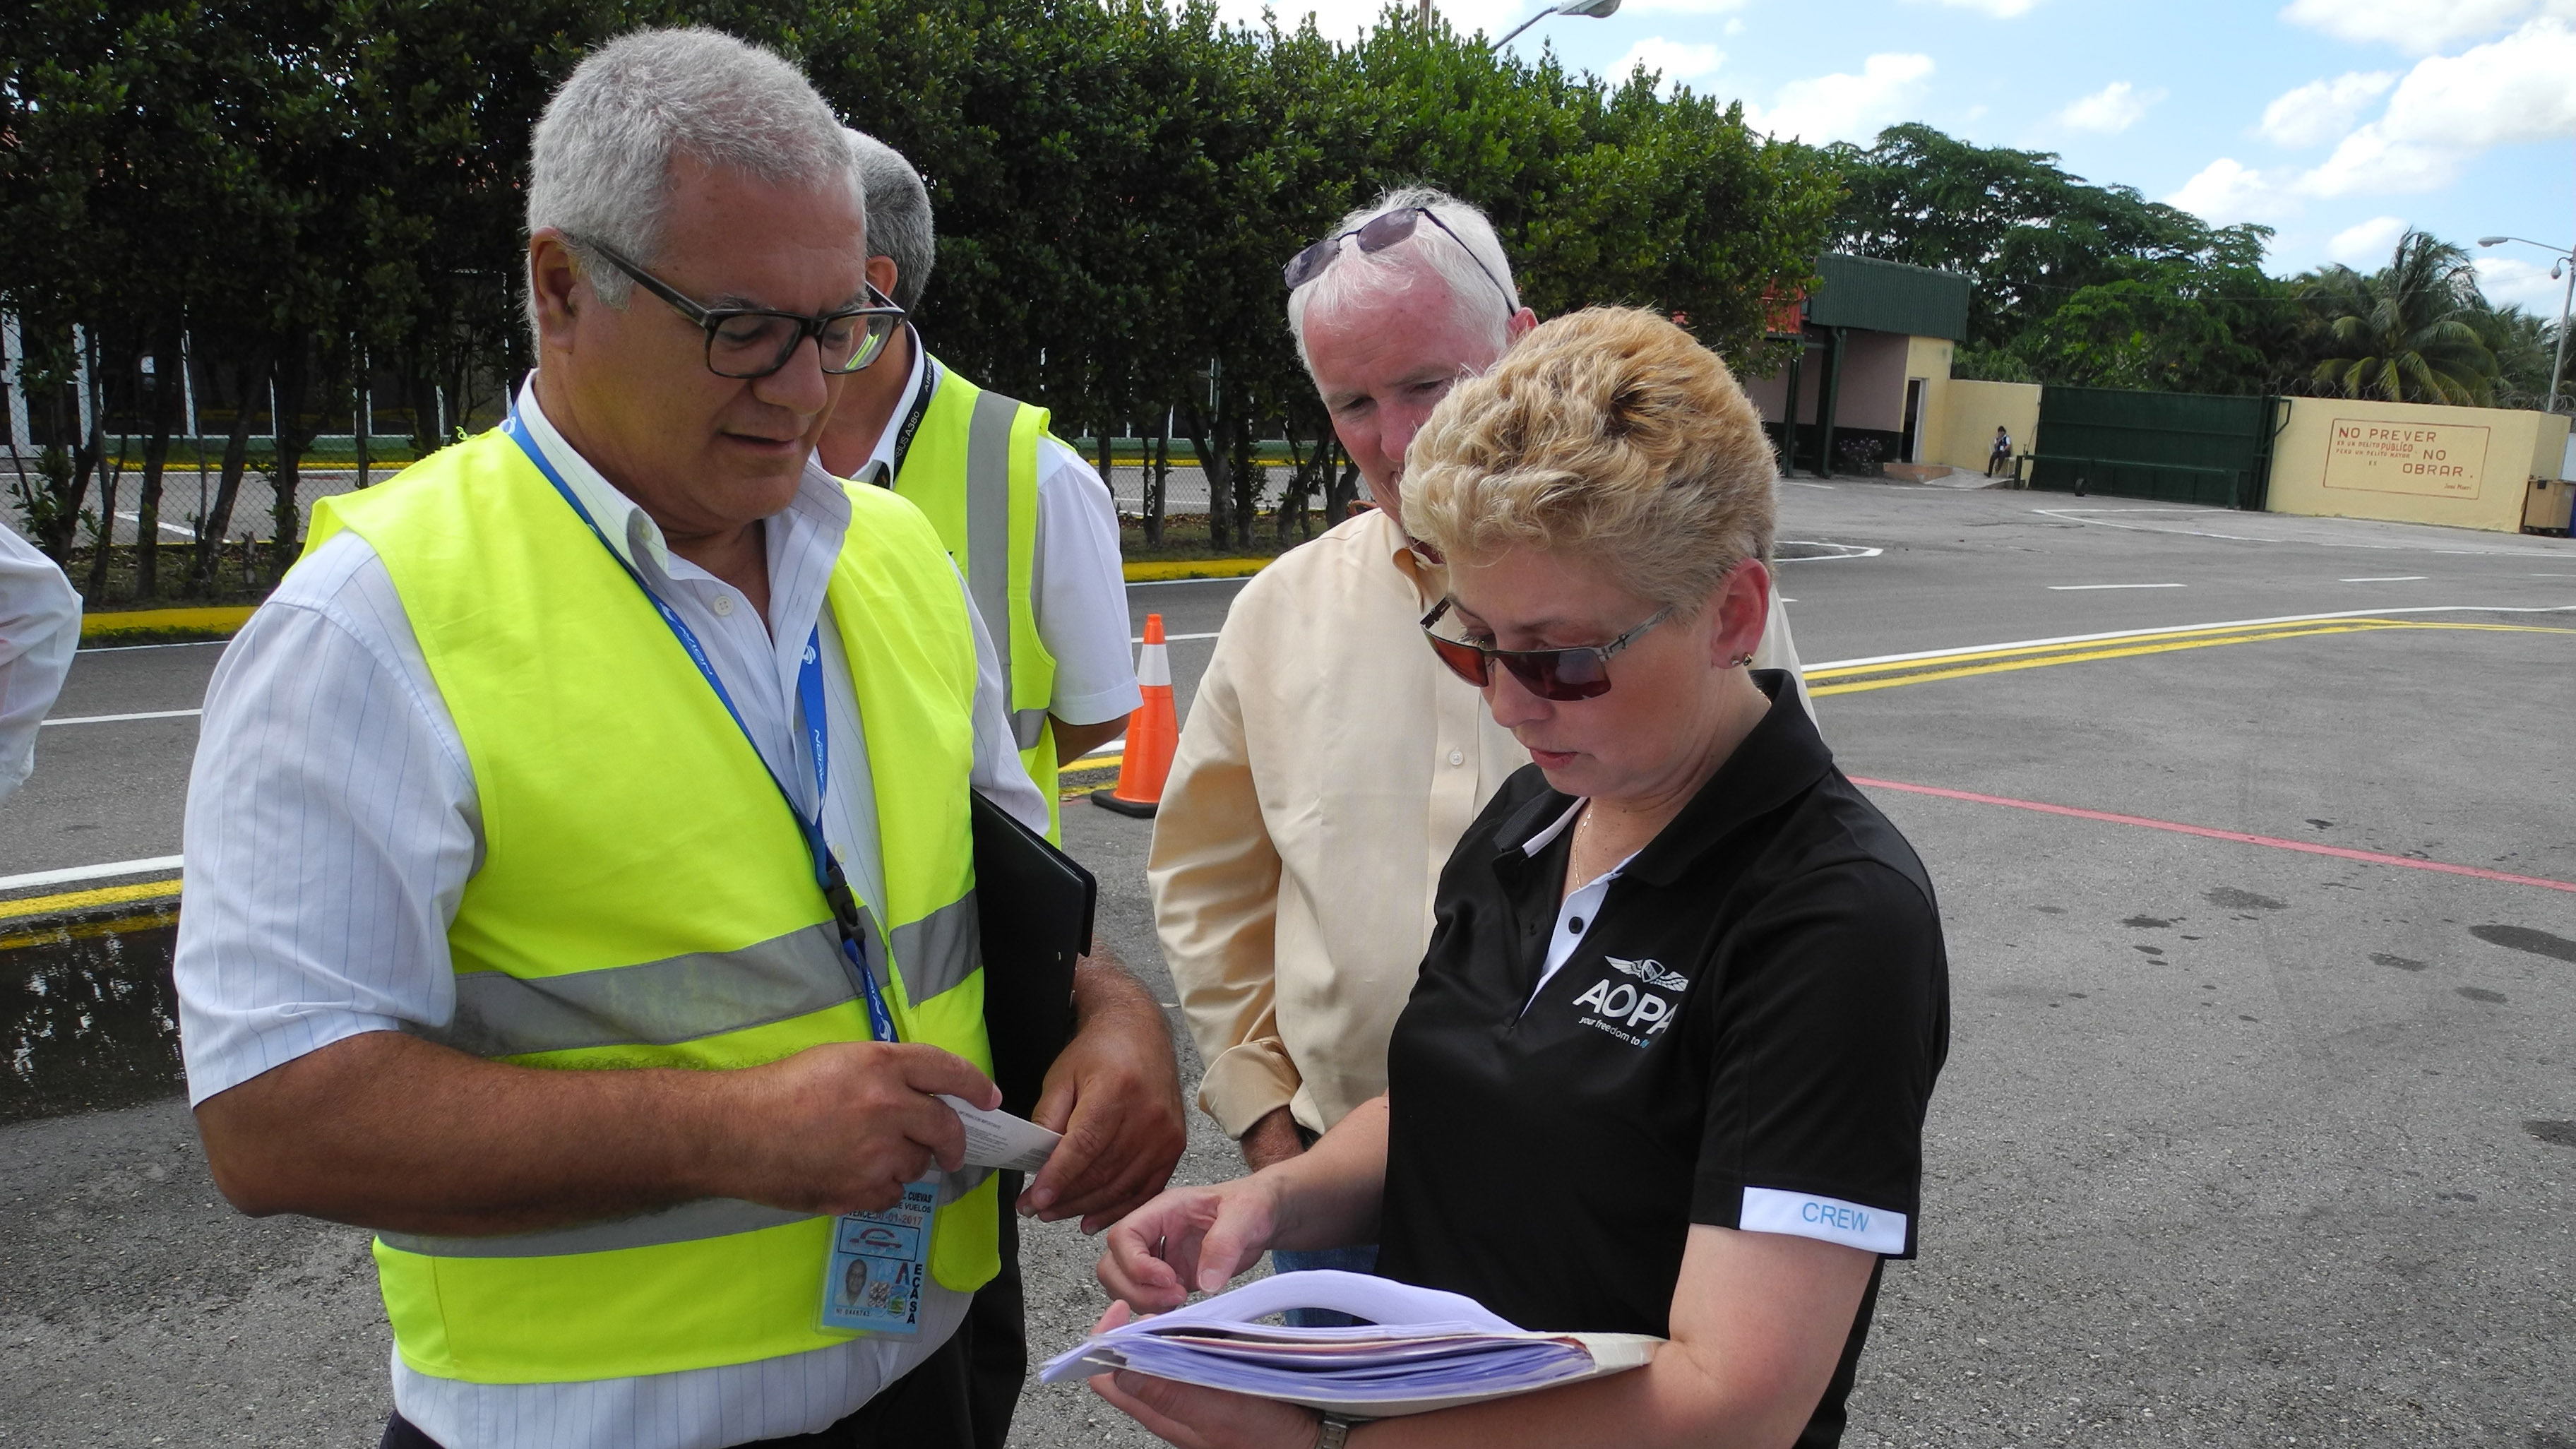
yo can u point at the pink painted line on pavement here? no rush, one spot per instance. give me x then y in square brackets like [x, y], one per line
[2367, 857]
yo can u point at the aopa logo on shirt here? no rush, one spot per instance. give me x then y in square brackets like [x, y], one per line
[1630, 1012]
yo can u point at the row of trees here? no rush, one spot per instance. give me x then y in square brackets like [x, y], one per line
[2097, 286]
[319, 189]
[310, 192]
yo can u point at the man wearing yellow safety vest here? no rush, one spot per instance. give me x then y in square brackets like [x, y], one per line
[1028, 521]
[1033, 530]
[580, 890]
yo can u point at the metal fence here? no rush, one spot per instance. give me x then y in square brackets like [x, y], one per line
[188, 490]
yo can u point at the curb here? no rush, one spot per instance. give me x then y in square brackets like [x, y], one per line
[163, 626]
[1166, 571]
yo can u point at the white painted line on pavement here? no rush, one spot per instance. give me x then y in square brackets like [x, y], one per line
[1166, 583]
[2190, 629]
[1849, 550]
[89, 872]
[2388, 579]
[137, 520]
[2072, 515]
[182, 644]
[122, 718]
[1794, 483]
[2081, 588]
[1173, 638]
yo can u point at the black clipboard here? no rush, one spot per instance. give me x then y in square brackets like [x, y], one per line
[1034, 906]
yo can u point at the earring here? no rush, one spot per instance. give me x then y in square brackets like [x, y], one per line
[1742, 661]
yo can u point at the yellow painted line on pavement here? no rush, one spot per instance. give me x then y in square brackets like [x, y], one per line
[1972, 663]
[71, 901]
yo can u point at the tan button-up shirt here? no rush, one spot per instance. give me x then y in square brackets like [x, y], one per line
[1328, 767]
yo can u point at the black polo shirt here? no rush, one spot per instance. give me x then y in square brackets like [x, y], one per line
[1747, 1036]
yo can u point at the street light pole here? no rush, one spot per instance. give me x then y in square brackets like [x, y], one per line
[1590, 9]
[2566, 263]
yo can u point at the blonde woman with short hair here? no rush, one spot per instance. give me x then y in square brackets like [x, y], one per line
[1665, 1066]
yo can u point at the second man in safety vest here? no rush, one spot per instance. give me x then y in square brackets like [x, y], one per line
[1030, 524]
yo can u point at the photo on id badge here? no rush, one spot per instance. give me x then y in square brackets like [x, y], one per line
[879, 1260]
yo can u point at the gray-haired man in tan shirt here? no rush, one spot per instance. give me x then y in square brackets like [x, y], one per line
[1330, 763]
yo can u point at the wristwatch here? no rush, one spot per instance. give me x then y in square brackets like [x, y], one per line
[1334, 1430]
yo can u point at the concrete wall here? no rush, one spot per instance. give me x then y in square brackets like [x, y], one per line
[2467, 467]
[1970, 412]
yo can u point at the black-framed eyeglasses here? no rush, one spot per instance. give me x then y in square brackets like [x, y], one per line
[1376, 235]
[752, 342]
[1582, 672]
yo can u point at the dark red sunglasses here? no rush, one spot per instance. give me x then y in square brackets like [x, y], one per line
[1582, 672]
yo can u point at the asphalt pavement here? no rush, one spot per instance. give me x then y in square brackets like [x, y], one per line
[2259, 1127]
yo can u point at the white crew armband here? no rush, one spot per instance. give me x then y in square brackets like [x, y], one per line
[1826, 1219]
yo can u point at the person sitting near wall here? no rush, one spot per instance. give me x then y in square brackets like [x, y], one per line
[2001, 456]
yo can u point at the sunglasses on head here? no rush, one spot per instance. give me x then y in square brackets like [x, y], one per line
[1582, 672]
[1379, 233]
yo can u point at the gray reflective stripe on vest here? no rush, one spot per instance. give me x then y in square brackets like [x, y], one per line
[712, 1217]
[938, 952]
[656, 1003]
[988, 521]
[1028, 726]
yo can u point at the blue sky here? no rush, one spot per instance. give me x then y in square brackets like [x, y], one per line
[2339, 122]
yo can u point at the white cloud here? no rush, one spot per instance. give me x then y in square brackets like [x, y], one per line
[2370, 162]
[1682, 7]
[2418, 27]
[2367, 245]
[2000, 9]
[1843, 107]
[2111, 110]
[1678, 63]
[2323, 110]
[2511, 279]
[2520, 88]
[2226, 192]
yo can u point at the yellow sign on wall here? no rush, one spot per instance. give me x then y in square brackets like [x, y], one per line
[2433, 460]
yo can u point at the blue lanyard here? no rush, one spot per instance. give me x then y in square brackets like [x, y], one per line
[809, 696]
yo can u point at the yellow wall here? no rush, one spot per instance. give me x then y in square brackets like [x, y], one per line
[1969, 413]
[2467, 467]
[1928, 358]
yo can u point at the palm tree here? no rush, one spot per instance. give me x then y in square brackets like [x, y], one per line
[2409, 333]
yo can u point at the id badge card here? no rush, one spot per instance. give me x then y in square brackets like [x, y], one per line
[881, 1264]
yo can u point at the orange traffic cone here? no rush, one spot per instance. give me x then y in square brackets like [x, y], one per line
[1153, 732]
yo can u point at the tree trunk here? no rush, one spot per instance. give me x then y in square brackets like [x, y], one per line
[1108, 470]
[1342, 488]
[167, 392]
[294, 373]
[1249, 479]
[249, 377]
[358, 419]
[109, 466]
[1209, 444]
[1158, 483]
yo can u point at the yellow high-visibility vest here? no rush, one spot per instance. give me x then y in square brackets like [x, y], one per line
[646, 900]
[972, 468]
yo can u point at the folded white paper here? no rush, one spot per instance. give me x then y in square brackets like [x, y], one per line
[1420, 1349]
[998, 1139]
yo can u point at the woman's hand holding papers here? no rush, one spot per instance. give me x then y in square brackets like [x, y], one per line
[1198, 1418]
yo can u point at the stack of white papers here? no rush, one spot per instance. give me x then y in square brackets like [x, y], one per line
[1420, 1350]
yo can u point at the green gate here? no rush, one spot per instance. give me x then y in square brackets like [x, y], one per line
[2177, 447]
